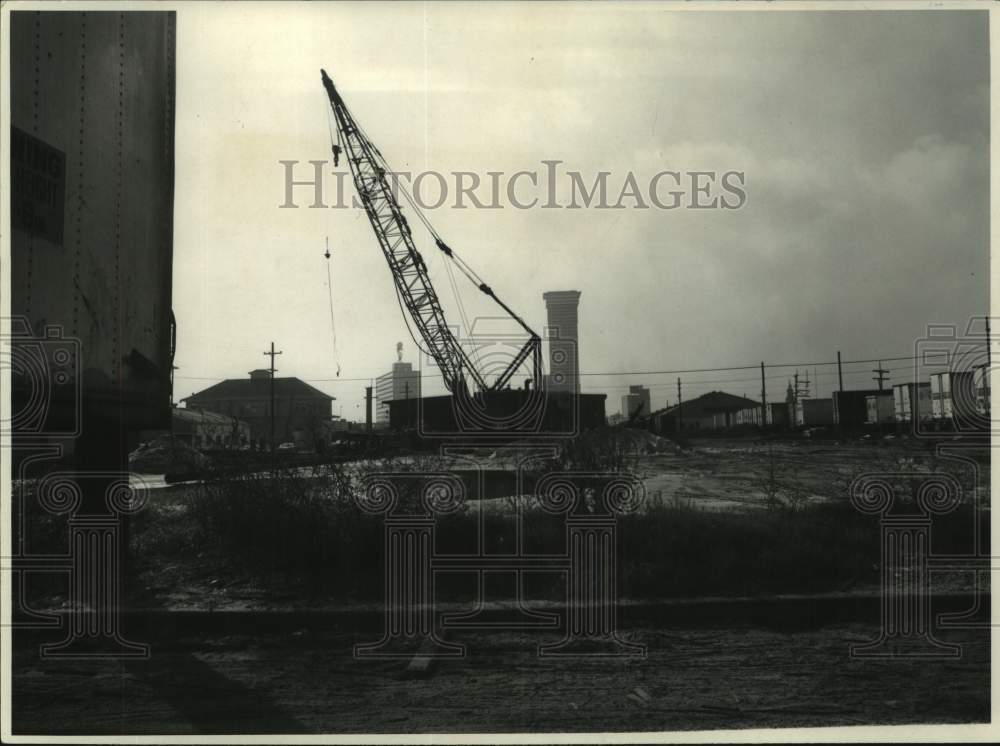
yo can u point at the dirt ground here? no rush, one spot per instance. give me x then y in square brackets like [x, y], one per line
[732, 474]
[309, 682]
[305, 679]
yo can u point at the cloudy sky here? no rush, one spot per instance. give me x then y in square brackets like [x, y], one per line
[863, 137]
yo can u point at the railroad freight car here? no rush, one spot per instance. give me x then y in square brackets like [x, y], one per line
[91, 205]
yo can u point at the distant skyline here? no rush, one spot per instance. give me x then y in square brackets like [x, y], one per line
[863, 136]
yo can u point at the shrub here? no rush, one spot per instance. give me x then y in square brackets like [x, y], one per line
[289, 524]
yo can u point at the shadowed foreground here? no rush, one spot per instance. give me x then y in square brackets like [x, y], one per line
[307, 681]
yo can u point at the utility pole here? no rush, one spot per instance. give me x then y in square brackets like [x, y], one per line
[795, 403]
[680, 413]
[840, 374]
[880, 374]
[271, 354]
[763, 397]
[368, 408]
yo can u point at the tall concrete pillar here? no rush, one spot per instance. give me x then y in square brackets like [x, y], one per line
[564, 364]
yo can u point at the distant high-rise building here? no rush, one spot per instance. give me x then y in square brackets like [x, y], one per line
[402, 382]
[630, 402]
[637, 398]
[564, 365]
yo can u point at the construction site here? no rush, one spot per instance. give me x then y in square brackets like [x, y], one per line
[506, 531]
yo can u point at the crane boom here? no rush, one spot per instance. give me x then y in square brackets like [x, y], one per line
[408, 268]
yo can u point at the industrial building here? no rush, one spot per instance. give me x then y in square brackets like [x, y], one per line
[710, 411]
[562, 332]
[557, 408]
[402, 382]
[302, 413]
[636, 403]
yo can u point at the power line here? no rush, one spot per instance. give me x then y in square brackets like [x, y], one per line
[714, 381]
[333, 323]
[744, 367]
[307, 380]
[645, 373]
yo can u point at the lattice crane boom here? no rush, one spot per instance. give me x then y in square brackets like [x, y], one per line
[409, 271]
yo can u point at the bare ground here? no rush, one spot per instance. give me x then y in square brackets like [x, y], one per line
[309, 681]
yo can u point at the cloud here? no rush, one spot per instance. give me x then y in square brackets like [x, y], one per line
[863, 135]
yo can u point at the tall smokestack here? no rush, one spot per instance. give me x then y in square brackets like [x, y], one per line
[564, 364]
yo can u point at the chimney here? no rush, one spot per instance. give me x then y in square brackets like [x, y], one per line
[564, 365]
[261, 374]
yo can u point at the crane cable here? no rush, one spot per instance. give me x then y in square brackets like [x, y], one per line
[451, 276]
[465, 268]
[337, 146]
[333, 323]
[437, 238]
[470, 273]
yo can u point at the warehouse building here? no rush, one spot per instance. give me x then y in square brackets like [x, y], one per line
[302, 413]
[711, 411]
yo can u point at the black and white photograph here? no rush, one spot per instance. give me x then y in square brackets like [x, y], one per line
[541, 372]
